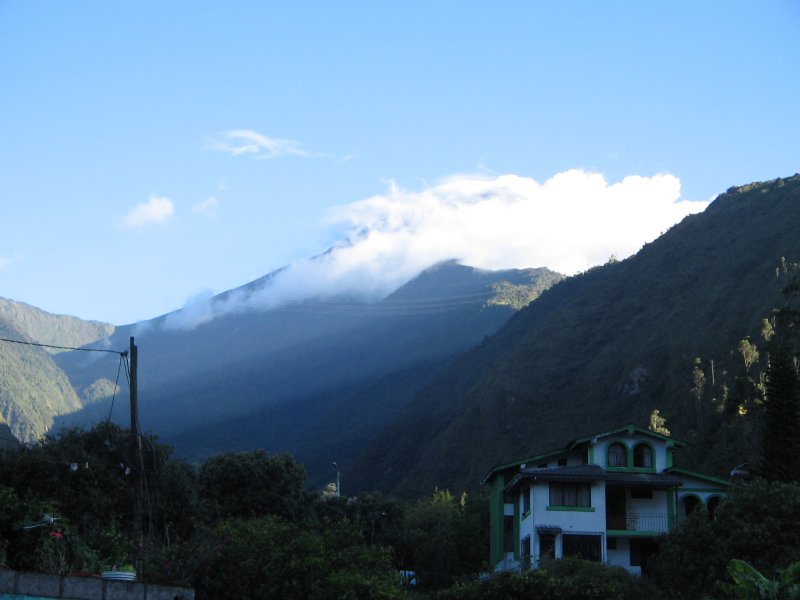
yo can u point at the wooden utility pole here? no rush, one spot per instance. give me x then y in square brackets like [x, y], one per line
[136, 452]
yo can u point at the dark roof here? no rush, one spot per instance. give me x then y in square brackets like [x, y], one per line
[630, 430]
[551, 529]
[709, 478]
[627, 429]
[517, 463]
[642, 479]
[594, 473]
[567, 473]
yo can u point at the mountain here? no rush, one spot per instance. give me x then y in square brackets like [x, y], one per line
[33, 389]
[446, 377]
[317, 378]
[607, 347]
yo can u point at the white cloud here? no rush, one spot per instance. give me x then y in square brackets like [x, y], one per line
[198, 309]
[569, 223]
[208, 208]
[245, 141]
[156, 210]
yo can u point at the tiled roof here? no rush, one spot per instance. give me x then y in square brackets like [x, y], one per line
[594, 473]
[566, 473]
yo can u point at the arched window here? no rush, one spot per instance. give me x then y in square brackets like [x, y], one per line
[712, 505]
[617, 455]
[643, 456]
[690, 503]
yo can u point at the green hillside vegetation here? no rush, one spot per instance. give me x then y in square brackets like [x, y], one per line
[609, 346]
[33, 389]
[518, 296]
[57, 330]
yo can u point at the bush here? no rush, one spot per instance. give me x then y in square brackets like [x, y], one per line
[757, 524]
[566, 579]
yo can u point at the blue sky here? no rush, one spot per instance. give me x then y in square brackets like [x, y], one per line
[152, 152]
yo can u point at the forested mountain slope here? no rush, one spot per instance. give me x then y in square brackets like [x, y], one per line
[607, 347]
[33, 390]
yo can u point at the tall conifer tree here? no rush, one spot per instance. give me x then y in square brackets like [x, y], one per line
[780, 460]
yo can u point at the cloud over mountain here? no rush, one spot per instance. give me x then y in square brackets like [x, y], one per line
[572, 221]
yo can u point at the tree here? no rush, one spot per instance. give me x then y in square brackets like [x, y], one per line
[749, 584]
[698, 391]
[251, 484]
[756, 523]
[780, 459]
[749, 353]
[268, 557]
[658, 424]
[445, 537]
[565, 579]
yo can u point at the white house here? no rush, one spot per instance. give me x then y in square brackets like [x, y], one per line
[605, 498]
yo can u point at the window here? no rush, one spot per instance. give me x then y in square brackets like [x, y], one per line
[570, 494]
[508, 534]
[643, 456]
[585, 546]
[526, 500]
[617, 455]
[690, 503]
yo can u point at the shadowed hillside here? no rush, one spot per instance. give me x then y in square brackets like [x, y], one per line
[316, 378]
[604, 348]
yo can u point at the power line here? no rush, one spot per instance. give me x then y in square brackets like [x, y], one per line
[122, 357]
[121, 353]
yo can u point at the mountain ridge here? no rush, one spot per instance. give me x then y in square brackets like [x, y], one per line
[560, 368]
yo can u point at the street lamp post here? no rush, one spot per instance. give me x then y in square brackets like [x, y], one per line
[336, 466]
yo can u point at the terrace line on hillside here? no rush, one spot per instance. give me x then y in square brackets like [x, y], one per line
[605, 498]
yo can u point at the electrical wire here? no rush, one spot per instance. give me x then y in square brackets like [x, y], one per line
[114, 396]
[40, 345]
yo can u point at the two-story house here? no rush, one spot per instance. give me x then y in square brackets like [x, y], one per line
[605, 498]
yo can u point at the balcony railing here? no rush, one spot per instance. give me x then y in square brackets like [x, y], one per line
[636, 521]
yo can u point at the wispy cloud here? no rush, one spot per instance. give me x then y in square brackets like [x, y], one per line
[156, 210]
[7, 262]
[569, 223]
[245, 141]
[208, 208]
